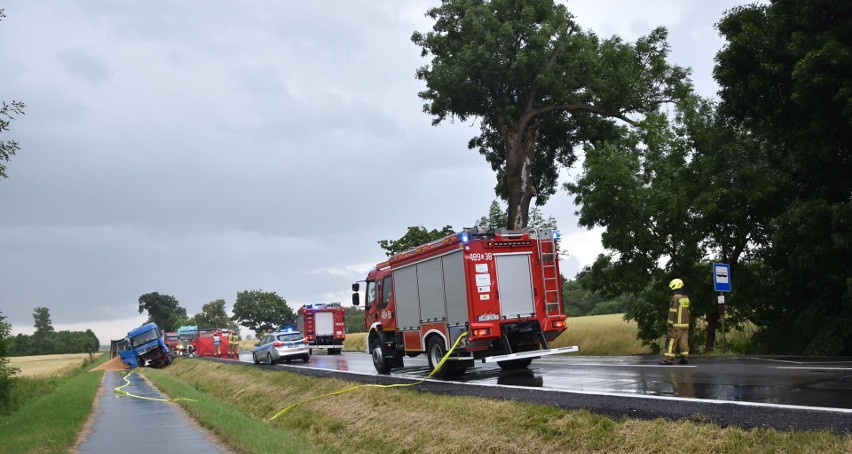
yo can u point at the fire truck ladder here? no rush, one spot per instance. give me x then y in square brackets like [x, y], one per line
[547, 257]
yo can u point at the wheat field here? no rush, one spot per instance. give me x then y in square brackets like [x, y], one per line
[45, 365]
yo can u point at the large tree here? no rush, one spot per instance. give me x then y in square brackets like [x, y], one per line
[687, 191]
[262, 311]
[414, 236]
[213, 315]
[786, 78]
[539, 85]
[7, 114]
[164, 310]
[42, 323]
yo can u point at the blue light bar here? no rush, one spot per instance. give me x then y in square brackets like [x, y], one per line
[555, 235]
[464, 237]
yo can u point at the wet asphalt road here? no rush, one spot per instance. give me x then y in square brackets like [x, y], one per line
[128, 425]
[783, 393]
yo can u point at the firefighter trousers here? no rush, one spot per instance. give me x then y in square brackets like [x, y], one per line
[678, 337]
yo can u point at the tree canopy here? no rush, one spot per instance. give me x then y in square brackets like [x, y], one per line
[754, 182]
[262, 311]
[539, 85]
[43, 325]
[213, 315]
[786, 79]
[7, 114]
[415, 236]
[164, 310]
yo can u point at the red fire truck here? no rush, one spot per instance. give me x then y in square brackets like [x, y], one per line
[172, 340]
[502, 287]
[323, 326]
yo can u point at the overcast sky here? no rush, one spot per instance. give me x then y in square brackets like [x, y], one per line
[202, 148]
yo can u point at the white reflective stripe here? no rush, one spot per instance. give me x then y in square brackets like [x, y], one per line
[532, 354]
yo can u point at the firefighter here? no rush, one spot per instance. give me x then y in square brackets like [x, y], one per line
[217, 343]
[678, 325]
[234, 344]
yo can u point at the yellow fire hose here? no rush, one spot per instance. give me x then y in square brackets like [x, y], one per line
[397, 385]
[158, 399]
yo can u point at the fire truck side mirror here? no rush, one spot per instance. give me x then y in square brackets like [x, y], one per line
[355, 299]
[355, 287]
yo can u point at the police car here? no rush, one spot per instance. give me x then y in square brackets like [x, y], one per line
[285, 345]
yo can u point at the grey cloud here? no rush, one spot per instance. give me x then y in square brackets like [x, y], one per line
[84, 63]
[200, 149]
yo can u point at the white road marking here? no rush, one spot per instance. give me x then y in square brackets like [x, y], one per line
[673, 366]
[803, 362]
[671, 398]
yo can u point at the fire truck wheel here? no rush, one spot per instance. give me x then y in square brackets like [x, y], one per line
[382, 365]
[515, 363]
[435, 351]
[254, 358]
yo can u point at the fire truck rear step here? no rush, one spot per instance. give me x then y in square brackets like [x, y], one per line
[531, 354]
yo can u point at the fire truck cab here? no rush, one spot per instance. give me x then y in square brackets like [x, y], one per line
[501, 287]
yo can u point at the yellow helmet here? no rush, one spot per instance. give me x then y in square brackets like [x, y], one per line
[676, 284]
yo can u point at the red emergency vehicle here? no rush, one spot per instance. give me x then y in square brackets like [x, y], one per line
[172, 341]
[199, 342]
[502, 287]
[323, 326]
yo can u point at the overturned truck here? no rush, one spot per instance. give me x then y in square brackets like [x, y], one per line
[145, 346]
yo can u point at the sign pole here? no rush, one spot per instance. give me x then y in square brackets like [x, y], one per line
[722, 283]
[721, 299]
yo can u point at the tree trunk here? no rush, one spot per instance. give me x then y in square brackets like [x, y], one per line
[519, 158]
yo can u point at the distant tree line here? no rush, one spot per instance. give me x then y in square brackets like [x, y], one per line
[47, 341]
[254, 309]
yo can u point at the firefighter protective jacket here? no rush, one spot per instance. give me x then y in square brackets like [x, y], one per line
[679, 311]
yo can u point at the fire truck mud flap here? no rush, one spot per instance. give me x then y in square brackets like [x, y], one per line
[531, 354]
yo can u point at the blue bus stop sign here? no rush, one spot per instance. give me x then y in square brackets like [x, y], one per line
[721, 277]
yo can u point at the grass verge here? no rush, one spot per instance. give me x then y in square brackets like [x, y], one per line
[239, 431]
[404, 420]
[51, 411]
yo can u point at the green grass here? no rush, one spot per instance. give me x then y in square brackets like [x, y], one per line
[236, 402]
[52, 411]
[234, 428]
